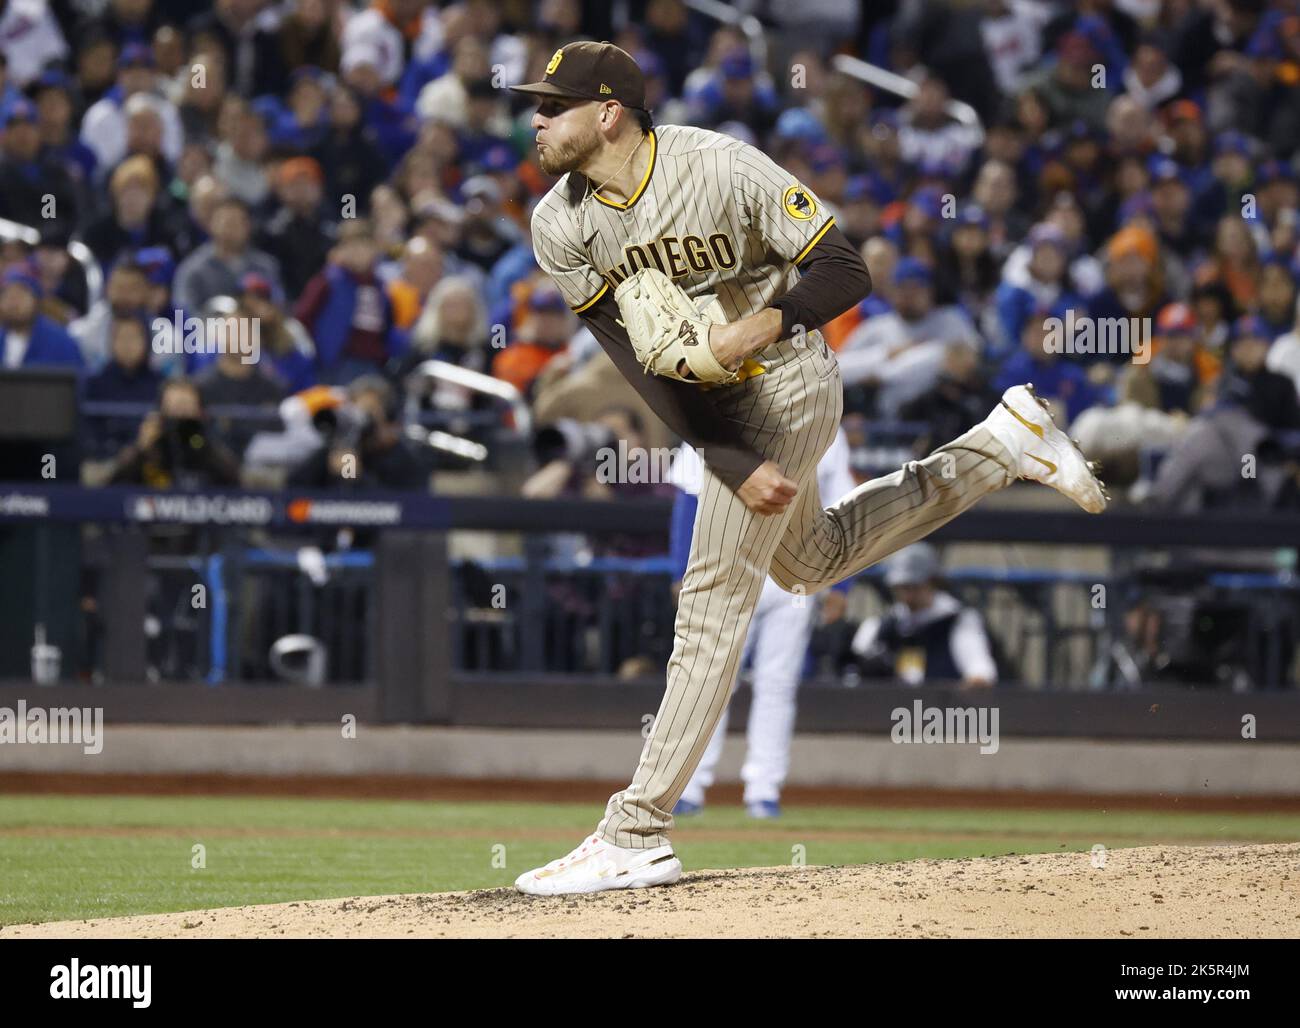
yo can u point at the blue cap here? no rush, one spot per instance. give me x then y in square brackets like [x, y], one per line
[135, 55]
[268, 108]
[21, 109]
[157, 263]
[1165, 169]
[1232, 142]
[53, 78]
[825, 156]
[799, 123]
[1080, 129]
[1046, 232]
[737, 65]
[867, 187]
[929, 201]
[23, 277]
[1250, 325]
[652, 67]
[499, 157]
[311, 73]
[1273, 171]
[972, 214]
[545, 297]
[1135, 206]
[935, 167]
[912, 269]
[885, 116]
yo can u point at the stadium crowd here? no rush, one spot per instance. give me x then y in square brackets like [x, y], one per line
[360, 180]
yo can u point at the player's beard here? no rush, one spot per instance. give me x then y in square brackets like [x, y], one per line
[559, 159]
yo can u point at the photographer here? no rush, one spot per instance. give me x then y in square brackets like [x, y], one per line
[364, 446]
[176, 447]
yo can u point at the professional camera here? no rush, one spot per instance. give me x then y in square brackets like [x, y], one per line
[570, 440]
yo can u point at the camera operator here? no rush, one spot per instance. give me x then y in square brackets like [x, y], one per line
[364, 445]
[176, 446]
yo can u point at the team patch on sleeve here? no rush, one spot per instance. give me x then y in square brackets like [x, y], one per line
[799, 203]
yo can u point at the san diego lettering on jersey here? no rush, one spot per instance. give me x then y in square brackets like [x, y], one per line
[676, 257]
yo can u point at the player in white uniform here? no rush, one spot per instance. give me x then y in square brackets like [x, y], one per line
[777, 644]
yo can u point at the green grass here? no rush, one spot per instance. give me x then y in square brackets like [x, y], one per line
[102, 856]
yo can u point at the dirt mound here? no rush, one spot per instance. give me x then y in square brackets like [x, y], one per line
[1156, 891]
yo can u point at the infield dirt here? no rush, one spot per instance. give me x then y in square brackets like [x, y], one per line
[1148, 892]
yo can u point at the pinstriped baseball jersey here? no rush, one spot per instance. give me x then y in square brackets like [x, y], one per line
[713, 213]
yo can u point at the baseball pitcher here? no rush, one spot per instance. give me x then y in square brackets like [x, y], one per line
[705, 270]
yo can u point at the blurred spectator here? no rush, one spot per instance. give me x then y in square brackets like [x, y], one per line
[1134, 279]
[1151, 78]
[968, 273]
[901, 352]
[346, 310]
[301, 232]
[486, 233]
[286, 346]
[242, 152]
[1054, 377]
[139, 217]
[364, 446]
[737, 91]
[307, 38]
[29, 339]
[1066, 88]
[546, 328]
[56, 106]
[233, 379]
[1045, 284]
[62, 278]
[176, 447]
[412, 289]
[1284, 354]
[347, 152]
[125, 296]
[246, 38]
[29, 39]
[927, 134]
[927, 635]
[1277, 296]
[126, 378]
[34, 187]
[217, 267]
[959, 399]
[104, 126]
[1206, 465]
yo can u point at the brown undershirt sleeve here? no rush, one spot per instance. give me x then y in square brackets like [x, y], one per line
[834, 278]
[684, 408]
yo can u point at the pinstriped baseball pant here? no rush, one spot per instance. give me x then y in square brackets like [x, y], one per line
[790, 415]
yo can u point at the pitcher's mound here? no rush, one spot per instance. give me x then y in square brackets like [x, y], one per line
[1156, 891]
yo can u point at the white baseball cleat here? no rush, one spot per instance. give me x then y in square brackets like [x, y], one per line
[1023, 423]
[596, 866]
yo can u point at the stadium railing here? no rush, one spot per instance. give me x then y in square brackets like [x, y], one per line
[418, 654]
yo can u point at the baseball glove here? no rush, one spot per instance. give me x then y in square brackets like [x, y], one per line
[667, 328]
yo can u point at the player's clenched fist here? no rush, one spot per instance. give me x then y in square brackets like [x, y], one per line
[767, 490]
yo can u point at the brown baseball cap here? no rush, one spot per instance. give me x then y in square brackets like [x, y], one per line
[591, 71]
